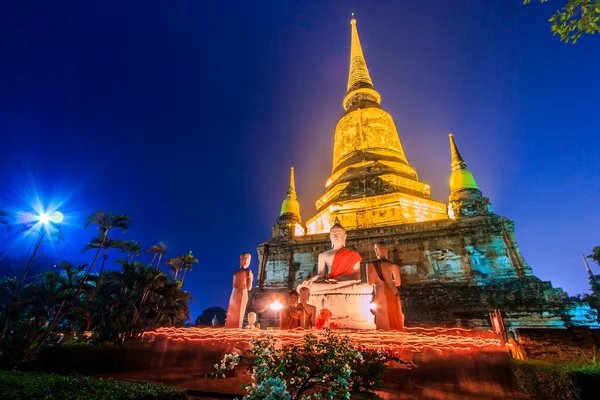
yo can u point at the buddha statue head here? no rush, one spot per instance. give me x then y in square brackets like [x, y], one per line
[251, 318]
[304, 294]
[337, 235]
[245, 258]
[381, 250]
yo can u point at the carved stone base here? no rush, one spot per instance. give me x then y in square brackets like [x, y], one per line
[349, 310]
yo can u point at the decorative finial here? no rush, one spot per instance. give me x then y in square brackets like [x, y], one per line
[457, 161]
[290, 204]
[292, 184]
[358, 75]
[461, 177]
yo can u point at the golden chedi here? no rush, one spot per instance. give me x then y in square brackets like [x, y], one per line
[371, 183]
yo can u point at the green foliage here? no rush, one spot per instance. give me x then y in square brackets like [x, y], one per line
[29, 386]
[574, 19]
[324, 366]
[595, 255]
[594, 298]
[182, 263]
[543, 380]
[70, 304]
[368, 371]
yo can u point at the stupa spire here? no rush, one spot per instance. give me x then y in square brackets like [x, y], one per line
[461, 177]
[290, 204]
[292, 185]
[457, 161]
[358, 76]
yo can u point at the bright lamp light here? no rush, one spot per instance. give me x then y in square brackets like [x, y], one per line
[276, 305]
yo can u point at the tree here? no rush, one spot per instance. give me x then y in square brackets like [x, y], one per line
[207, 315]
[105, 223]
[43, 231]
[187, 261]
[159, 250]
[133, 247]
[176, 266]
[574, 19]
[595, 279]
[68, 303]
[106, 244]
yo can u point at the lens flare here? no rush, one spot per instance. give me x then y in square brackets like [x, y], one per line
[44, 218]
[57, 217]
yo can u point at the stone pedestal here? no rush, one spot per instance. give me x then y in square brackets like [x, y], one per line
[350, 306]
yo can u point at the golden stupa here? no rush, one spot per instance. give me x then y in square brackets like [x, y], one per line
[371, 183]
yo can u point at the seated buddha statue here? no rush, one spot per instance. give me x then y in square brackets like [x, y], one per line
[338, 268]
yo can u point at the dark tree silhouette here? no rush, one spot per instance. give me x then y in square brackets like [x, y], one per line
[205, 319]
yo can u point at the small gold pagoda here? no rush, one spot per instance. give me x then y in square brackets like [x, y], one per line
[371, 183]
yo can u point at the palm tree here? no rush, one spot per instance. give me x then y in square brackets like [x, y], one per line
[159, 250]
[50, 229]
[106, 244]
[174, 306]
[105, 223]
[133, 247]
[188, 261]
[176, 266]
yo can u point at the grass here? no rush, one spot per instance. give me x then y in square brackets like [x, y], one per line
[16, 385]
[543, 380]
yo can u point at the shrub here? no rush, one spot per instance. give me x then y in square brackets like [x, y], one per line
[327, 366]
[368, 371]
[543, 380]
[16, 385]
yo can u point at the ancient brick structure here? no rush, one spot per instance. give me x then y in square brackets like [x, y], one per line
[459, 261]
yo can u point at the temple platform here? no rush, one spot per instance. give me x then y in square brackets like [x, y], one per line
[444, 363]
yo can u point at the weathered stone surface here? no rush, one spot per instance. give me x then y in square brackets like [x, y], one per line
[452, 270]
[525, 302]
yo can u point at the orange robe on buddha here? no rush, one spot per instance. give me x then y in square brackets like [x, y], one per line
[343, 265]
[323, 319]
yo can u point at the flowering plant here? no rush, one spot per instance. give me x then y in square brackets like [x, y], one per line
[323, 366]
[369, 370]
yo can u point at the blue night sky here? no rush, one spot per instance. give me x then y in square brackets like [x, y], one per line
[187, 115]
